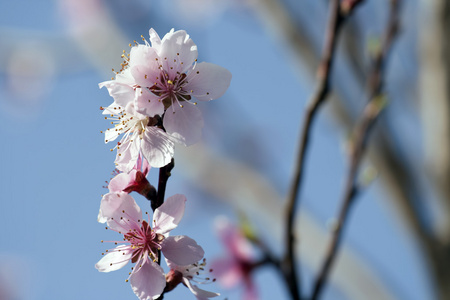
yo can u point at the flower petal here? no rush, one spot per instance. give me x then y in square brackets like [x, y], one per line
[145, 56]
[155, 39]
[157, 147]
[208, 81]
[169, 214]
[122, 93]
[128, 153]
[184, 123]
[177, 52]
[199, 293]
[181, 250]
[148, 103]
[148, 281]
[115, 259]
[121, 211]
[235, 242]
[227, 271]
[121, 181]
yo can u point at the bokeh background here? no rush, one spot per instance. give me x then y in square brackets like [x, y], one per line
[54, 163]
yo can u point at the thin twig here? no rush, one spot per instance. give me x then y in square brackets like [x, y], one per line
[337, 16]
[370, 115]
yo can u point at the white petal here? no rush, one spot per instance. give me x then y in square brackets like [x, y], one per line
[148, 103]
[115, 259]
[148, 281]
[111, 135]
[208, 81]
[169, 214]
[157, 147]
[181, 250]
[122, 93]
[143, 55]
[121, 211]
[184, 124]
[199, 293]
[128, 153]
[177, 52]
[155, 39]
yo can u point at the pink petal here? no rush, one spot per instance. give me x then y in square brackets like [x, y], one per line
[148, 103]
[169, 214]
[208, 81]
[184, 124]
[121, 211]
[236, 243]
[121, 181]
[181, 250]
[157, 147]
[227, 271]
[115, 259]
[199, 293]
[145, 166]
[148, 281]
[250, 292]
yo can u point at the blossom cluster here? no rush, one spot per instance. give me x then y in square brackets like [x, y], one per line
[154, 98]
[154, 108]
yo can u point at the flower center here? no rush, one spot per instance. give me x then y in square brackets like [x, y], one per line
[144, 242]
[170, 90]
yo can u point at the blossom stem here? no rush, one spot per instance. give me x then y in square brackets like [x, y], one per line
[337, 17]
[361, 133]
[164, 174]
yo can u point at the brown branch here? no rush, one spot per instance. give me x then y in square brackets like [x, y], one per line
[336, 19]
[164, 174]
[362, 131]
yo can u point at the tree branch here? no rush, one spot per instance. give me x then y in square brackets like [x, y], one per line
[362, 131]
[336, 19]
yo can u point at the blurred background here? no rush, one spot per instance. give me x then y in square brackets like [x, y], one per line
[54, 163]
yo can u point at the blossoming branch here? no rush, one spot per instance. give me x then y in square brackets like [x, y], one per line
[154, 108]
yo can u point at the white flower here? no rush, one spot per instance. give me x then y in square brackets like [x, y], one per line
[163, 79]
[141, 135]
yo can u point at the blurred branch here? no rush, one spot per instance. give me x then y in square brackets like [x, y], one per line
[338, 14]
[435, 100]
[361, 134]
[208, 171]
[435, 109]
[395, 173]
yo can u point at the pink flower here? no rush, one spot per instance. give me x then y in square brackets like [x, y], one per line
[141, 136]
[134, 181]
[189, 275]
[141, 244]
[163, 78]
[237, 266]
